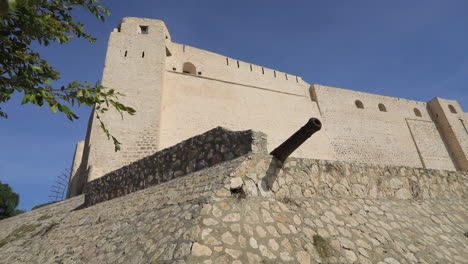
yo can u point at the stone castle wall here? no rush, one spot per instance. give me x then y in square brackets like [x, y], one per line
[393, 135]
[180, 91]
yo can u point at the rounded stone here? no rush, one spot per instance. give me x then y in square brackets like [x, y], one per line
[253, 243]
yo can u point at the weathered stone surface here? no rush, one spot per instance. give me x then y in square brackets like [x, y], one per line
[186, 157]
[184, 221]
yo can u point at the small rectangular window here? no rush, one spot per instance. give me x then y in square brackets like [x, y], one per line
[144, 30]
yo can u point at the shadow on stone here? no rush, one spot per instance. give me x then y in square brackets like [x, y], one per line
[266, 183]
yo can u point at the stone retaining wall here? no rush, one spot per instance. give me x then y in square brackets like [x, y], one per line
[203, 151]
[307, 178]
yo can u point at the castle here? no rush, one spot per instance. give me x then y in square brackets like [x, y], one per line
[180, 91]
[383, 182]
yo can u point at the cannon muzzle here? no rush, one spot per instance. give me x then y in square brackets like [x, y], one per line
[283, 151]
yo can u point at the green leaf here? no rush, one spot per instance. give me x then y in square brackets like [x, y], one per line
[53, 108]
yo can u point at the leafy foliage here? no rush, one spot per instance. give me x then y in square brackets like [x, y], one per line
[8, 202]
[22, 70]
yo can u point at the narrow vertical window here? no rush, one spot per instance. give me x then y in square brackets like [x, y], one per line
[238, 64]
[227, 61]
[263, 71]
[143, 54]
[297, 80]
[286, 76]
[274, 73]
[250, 67]
[125, 55]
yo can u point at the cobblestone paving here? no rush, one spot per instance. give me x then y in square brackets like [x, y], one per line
[358, 231]
[224, 214]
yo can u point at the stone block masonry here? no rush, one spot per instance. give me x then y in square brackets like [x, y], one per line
[251, 208]
[307, 178]
[213, 147]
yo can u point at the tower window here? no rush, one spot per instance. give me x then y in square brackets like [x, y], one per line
[359, 104]
[143, 54]
[189, 68]
[382, 108]
[238, 64]
[452, 109]
[144, 30]
[125, 55]
[417, 112]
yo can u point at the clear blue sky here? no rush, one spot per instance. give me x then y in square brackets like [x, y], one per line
[410, 49]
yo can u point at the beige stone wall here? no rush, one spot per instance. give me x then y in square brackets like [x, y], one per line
[429, 144]
[194, 104]
[372, 136]
[73, 185]
[134, 66]
[451, 121]
[220, 67]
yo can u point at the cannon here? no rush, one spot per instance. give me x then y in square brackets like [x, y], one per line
[283, 151]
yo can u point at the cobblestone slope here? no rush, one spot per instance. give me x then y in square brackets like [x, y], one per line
[255, 210]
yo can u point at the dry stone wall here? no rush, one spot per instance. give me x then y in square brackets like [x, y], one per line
[307, 178]
[215, 146]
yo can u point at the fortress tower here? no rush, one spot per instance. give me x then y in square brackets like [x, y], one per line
[134, 66]
[180, 91]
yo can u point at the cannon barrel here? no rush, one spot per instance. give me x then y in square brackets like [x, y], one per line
[283, 151]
